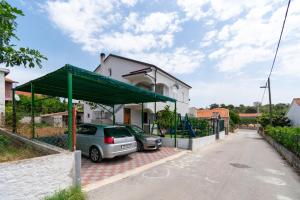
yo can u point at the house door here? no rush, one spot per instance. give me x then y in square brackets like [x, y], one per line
[127, 116]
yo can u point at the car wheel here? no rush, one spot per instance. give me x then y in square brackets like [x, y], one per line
[140, 146]
[95, 155]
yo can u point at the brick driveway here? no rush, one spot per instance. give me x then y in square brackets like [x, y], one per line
[92, 172]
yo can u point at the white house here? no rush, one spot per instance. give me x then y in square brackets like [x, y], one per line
[294, 112]
[3, 73]
[144, 75]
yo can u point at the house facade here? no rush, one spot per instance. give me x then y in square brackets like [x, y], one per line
[146, 76]
[209, 113]
[294, 112]
[5, 92]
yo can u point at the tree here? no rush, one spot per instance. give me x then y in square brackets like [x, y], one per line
[9, 54]
[250, 109]
[234, 120]
[214, 105]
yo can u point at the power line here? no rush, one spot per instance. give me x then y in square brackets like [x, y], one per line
[277, 48]
[283, 25]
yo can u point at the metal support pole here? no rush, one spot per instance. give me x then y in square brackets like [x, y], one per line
[175, 132]
[114, 117]
[14, 125]
[74, 120]
[70, 98]
[142, 117]
[32, 111]
[270, 101]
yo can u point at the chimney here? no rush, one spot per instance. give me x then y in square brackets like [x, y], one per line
[102, 57]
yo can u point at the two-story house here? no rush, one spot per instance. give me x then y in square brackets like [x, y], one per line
[144, 75]
[6, 85]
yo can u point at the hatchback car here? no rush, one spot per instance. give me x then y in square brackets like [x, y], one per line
[104, 141]
[144, 141]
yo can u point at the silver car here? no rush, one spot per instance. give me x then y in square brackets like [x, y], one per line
[104, 141]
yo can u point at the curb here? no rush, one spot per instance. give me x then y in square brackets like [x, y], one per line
[98, 184]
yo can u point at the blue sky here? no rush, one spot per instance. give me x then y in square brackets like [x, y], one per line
[223, 49]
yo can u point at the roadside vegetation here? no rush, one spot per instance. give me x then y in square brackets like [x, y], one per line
[73, 193]
[287, 136]
[11, 150]
[166, 121]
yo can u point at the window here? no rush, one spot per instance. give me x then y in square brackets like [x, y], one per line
[159, 89]
[117, 132]
[88, 115]
[109, 71]
[145, 117]
[87, 130]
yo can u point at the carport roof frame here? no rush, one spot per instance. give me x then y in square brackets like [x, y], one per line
[90, 86]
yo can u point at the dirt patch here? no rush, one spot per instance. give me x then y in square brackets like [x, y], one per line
[40, 130]
[11, 150]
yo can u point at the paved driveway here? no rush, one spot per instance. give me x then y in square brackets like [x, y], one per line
[243, 167]
[92, 172]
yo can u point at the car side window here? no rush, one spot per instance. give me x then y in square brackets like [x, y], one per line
[87, 130]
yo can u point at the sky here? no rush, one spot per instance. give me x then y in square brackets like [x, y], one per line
[223, 49]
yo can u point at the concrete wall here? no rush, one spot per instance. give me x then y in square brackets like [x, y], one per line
[27, 120]
[2, 97]
[294, 114]
[192, 144]
[38, 177]
[8, 91]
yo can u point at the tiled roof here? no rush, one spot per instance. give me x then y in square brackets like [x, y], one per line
[28, 94]
[249, 114]
[207, 113]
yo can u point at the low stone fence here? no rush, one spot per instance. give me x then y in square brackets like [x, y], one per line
[289, 156]
[192, 144]
[38, 177]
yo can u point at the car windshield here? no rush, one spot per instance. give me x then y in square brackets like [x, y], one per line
[117, 132]
[137, 129]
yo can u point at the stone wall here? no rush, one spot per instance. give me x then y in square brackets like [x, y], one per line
[38, 177]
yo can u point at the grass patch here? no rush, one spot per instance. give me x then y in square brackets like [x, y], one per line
[72, 193]
[11, 150]
[41, 130]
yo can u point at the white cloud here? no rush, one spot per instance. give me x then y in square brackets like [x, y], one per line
[98, 25]
[218, 9]
[91, 23]
[178, 61]
[193, 8]
[129, 2]
[252, 38]
[154, 22]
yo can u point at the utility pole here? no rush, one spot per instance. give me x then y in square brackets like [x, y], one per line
[270, 101]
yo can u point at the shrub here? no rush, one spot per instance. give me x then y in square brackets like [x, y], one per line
[278, 119]
[73, 193]
[287, 136]
[234, 120]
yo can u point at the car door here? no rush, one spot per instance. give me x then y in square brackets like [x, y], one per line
[79, 140]
[85, 137]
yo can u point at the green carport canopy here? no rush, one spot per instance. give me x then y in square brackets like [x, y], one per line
[90, 86]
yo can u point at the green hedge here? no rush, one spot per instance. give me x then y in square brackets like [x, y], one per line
[287, 136]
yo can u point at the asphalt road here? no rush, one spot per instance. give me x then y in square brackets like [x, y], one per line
[242, 167]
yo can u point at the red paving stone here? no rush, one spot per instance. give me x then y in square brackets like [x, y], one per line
[92, 172]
